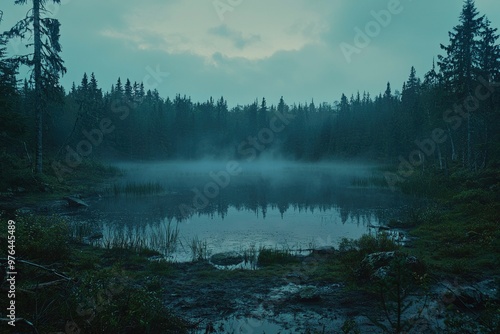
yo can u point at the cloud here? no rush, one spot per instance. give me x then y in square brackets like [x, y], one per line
[253, 30]
[260, 48]
[236, 37]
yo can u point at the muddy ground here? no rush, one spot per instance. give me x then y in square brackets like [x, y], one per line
[289, 301]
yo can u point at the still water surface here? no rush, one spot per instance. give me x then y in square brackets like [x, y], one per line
[266, 204]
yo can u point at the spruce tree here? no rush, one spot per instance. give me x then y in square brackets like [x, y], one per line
[45, 60]
[461, 64]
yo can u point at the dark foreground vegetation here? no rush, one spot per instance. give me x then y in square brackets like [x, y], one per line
[442, 132]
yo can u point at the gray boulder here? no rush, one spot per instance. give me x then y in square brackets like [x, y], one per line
[377, 265]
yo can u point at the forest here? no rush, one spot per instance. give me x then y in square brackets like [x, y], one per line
[447, 116]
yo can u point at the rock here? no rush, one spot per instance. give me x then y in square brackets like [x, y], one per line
[75, 202]
[377, 265]
[227, 259]
[308, 294]
[380, 273]
[377, 260]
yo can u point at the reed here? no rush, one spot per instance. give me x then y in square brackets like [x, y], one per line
[162, 238]
[250, 257]
[268, 256]
[199, 249]
[165, 238]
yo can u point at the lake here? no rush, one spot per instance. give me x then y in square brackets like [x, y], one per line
[236, 206]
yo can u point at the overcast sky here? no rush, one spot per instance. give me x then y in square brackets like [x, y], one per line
[247, 49]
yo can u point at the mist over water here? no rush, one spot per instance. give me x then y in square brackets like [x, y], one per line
[236, 205]
[188, 173]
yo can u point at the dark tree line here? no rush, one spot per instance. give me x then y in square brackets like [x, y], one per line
[449, 116]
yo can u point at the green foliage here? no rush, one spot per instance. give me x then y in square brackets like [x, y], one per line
[199, 249]
[473, 195]
[395, 288]
[110, 302]
[44, 238]
[367, 243]
[352, 252]
[430, 184]
[16, 172]
[380, 243]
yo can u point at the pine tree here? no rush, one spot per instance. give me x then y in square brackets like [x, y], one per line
[118, 91]
[7, 77]
[84, 86]
[263, 113]
[461, 64]
[128, 90]
[282, 107]
[388, 92]
[9, 119]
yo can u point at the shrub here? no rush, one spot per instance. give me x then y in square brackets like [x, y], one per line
[473, 195]
[109, 302]
[268, 257]
[43, 238]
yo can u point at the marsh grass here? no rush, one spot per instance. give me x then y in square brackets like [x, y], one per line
[250, 257]
[163, 238]
[269, 256]
[199, 249]
[85, 231]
